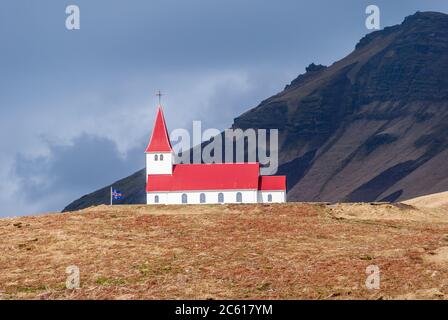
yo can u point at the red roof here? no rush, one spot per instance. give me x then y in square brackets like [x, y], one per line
[217, 176]
[160, 141]
[271, 183]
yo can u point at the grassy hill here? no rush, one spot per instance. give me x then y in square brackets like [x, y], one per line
[285, 251]
[436, 200]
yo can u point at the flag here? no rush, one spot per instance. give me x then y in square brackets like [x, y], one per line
[117, 195]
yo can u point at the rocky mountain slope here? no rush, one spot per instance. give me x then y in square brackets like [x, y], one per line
[371, 127]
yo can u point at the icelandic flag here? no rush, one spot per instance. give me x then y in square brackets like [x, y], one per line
[116, 194]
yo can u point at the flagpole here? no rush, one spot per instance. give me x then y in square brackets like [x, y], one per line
[111, 195]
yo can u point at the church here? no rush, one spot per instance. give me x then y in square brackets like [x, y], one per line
[171, 183]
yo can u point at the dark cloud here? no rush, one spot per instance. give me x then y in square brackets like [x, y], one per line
[73, 170]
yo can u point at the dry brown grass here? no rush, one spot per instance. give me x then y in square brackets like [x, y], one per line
[290, 251]
[435, 200]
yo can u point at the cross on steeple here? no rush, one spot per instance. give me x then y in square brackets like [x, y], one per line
[159, 94]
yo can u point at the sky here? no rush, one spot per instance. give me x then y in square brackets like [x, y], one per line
[77, 106]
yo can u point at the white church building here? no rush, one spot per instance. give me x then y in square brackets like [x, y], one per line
[170, 183]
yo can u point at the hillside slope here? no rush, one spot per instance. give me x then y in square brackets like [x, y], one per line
[437, 200]
[372, 126]
[285, 251]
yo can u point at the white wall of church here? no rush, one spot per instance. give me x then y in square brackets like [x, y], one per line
[194, 197]
[158, 166]
[271, 196]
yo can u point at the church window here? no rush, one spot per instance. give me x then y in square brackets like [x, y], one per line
[161, 157]
[239, 197]
[202, 198]
[156, 157]
[269, 197]
[156, 199]
[184, 198]
[220, 197]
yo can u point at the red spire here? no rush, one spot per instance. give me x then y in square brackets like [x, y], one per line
[160, 141]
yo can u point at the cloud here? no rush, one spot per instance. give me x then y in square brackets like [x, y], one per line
[47, 183]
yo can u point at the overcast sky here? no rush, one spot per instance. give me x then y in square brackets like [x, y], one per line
[77, 106]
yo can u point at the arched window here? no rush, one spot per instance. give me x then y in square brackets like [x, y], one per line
[156, 199]
[161, 157]
[184, 198]
[202, 198]
[239, 197]
[220, 197]
[156, 157]
[269, 197]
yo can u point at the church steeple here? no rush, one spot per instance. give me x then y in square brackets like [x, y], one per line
[159, 153]
[160, 141]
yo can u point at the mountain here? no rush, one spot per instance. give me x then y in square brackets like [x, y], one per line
[371, 127]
